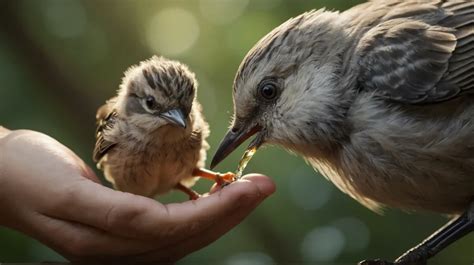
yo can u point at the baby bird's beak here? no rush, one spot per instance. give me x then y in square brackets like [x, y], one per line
[175, 116]
[233, 138]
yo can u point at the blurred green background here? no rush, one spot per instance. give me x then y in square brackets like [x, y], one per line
[61, 59]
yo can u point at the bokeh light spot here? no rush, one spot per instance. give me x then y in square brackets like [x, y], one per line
[322, 244]
[308, 190]
[172, 31]
[356, 232]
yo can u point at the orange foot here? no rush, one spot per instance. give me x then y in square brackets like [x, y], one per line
[193, 195]
[220, 179]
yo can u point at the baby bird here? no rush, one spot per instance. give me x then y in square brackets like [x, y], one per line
[151, 137]
[379, 98]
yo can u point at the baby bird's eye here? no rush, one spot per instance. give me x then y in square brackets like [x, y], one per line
[150, 102]
[268, 90]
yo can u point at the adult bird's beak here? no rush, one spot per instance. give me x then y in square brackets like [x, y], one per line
[233, 138]
[175, 116]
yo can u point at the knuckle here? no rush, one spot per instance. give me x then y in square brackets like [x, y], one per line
[111, 218]
[122, 217]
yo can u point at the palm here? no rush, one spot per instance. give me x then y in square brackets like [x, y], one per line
[51, 194]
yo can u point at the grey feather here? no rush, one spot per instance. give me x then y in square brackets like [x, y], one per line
[356, 104]
[412, 60]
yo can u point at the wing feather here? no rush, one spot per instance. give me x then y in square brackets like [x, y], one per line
[413, 58]
[461, 65]
[106, 119]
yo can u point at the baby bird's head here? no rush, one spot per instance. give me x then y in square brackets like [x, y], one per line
[157, 92]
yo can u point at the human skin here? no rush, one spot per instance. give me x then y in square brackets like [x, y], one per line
[50, 194]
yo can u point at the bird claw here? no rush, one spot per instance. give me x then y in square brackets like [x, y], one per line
[225, 179]
[414, 256]
[194, 196]
[397, 262]
[375, 262]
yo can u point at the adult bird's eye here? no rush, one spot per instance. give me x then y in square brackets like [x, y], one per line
[150, 102]
[268, 90]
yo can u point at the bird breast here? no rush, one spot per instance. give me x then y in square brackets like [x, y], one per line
[414, 158]
[153, 167]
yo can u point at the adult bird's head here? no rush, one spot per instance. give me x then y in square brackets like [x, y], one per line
[285, 88]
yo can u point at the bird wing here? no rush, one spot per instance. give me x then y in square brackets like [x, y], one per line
[106, 118]
[410, 61]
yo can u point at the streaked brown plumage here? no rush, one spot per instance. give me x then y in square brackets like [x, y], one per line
[152, 136]
[379, 98]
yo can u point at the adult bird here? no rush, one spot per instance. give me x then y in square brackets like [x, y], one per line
[378, 98]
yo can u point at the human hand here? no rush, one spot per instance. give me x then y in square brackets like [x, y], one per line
[49, 193]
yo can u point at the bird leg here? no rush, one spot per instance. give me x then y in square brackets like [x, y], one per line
[193, 195]
[220, 179]
[439, 240]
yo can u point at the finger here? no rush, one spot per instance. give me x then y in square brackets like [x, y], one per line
[267, 187]
[95, 205]
[208, 236]
[174, 252]
[136, 216]
[264, 183]
[213, 233]
[3, 131]
[79, 242]
[193, 217]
